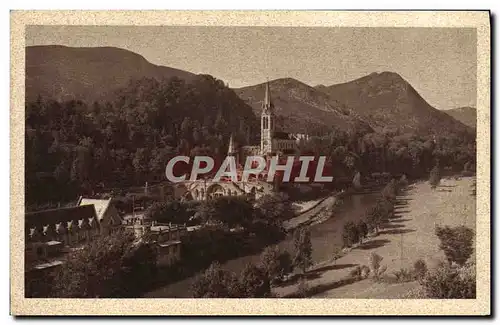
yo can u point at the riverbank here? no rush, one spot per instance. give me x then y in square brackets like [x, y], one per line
[325, 238]
[409, 237]
[321, 207]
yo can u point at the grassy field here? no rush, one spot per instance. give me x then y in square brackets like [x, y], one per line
[407, 238]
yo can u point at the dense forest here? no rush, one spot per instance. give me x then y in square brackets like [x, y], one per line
[75, 148]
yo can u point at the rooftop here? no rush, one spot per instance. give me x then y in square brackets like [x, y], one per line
[53, 216]
[100, 205]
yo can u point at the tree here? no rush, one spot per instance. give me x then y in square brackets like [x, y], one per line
[275, 263]
[435, 177]
[403, 181]
[448, 282]
[350, 235]
[303, 249]
[467, 166]
[456, 242]
[390, 190]
[165, 212]
[285, 264]
[232, 211]
[275, 207]
[111, 266]
[255, 282]
[379, 213]
[216, 282]
[362, 229]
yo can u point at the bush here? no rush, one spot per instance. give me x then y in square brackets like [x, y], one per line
[450, 282]
[376, 268]
[420, 269]
[360, 272]
[404, 275]
[456, 242]
[302, 289]
[254, 282]
[356, 273]
[216, 282]
[365, 271]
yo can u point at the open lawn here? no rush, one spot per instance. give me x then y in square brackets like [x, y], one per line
[405, 239]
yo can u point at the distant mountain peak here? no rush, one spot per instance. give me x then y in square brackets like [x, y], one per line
[467, 115]
[386, 99]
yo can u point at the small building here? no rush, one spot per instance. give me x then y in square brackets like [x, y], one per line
[50, 234]
[107, 214]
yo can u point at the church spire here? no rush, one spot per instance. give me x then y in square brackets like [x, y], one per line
[230, 149]
[267, 104]
[267, 99]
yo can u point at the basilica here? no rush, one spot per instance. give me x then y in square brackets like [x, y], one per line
[273, 142]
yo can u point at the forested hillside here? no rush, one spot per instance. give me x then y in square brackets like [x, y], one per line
[74, 147]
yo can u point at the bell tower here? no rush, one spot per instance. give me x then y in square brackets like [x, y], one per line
[267, 124]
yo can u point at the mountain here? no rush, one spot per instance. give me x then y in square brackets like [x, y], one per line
[89, 74]
[300, 107]
[466, 115]
[388, 101]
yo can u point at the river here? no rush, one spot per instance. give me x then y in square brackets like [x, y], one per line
[326, 238]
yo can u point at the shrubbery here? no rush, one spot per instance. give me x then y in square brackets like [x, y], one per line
[456, 242]
[451, 282]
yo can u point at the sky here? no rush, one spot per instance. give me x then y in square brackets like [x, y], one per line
[440, 63]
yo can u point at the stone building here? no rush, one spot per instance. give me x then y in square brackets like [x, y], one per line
[52, 233]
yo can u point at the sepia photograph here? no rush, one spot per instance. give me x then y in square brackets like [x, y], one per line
[278, 161]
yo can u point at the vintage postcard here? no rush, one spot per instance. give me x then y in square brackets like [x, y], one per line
[325, 163]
